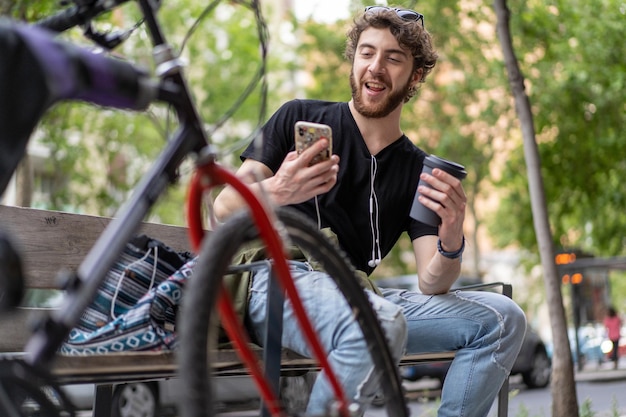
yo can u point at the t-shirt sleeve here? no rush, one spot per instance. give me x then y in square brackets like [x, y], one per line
[419, 229]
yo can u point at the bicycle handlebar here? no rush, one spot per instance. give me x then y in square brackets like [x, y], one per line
[77, 15]
[75, 73]
[37, 71]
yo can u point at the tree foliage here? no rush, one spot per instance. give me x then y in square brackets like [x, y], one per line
[104, 152]
[572, 55]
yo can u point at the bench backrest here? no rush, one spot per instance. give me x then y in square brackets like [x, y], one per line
[50, 241]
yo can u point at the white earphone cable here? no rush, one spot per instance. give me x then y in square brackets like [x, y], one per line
[319, 217]
[374, 220]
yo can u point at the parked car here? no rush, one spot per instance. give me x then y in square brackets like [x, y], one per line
[532, 363]
[158, 398]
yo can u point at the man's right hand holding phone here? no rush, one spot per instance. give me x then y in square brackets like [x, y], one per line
[296, 181]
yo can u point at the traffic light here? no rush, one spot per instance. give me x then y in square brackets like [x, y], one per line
[565, 258]
[576, 278]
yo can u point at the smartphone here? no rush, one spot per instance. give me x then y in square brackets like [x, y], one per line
[307, 133]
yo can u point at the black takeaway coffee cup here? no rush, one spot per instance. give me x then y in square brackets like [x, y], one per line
[418, 211]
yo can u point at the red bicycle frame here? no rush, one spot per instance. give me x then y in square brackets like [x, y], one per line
[207, 176]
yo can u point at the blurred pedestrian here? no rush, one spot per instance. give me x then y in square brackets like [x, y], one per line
[613, 325]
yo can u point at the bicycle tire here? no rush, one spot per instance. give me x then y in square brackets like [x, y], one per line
[215, 257]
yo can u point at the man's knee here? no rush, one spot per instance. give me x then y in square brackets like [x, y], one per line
[514, 321]
[393, 323]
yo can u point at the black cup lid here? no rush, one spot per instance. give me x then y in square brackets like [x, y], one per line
[450, 167]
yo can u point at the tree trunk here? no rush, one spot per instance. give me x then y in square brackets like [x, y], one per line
[564, 400]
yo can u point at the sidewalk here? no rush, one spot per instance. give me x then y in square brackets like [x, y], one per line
[595, 372]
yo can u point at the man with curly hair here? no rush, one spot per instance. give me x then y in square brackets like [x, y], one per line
[364, 194]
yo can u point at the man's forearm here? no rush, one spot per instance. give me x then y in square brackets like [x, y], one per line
[437, 268]
[229, 201]
[440, 275]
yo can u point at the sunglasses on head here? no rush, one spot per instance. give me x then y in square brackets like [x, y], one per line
[405, 14]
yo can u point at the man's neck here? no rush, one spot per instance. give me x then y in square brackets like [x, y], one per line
[378, 133]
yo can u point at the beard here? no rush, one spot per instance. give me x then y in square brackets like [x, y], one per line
[377, 110]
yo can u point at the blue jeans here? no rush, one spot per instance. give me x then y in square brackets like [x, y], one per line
[486, 330]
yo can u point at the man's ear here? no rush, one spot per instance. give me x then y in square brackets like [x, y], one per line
[417, 76]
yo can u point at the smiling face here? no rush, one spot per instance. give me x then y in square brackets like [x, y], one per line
[382, 73]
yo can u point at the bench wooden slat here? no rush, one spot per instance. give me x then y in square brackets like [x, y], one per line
[141, 366]
[51, 240]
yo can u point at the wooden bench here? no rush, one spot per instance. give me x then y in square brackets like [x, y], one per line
[50, 241]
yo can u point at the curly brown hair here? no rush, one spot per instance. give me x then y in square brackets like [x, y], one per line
[410, 35]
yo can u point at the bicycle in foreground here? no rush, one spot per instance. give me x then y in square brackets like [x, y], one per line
[27, 389]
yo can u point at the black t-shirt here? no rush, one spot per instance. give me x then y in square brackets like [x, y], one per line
[346, 207]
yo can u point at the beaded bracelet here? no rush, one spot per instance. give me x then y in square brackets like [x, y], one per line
[451, 255]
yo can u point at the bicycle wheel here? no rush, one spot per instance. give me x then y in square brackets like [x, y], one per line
[214, 260]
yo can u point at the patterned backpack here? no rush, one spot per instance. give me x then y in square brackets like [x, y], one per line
[135, 308]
